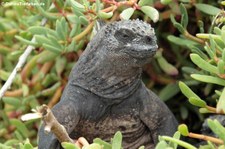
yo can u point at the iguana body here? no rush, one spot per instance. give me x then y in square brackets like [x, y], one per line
[105, 92]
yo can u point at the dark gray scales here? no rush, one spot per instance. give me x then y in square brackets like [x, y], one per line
[105, 93]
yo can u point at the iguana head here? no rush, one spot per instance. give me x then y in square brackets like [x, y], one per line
[132, 39]
[111, 64]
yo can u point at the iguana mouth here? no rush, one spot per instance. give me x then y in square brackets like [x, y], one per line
[145, 52]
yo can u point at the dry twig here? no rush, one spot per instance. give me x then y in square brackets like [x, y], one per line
[19, 65]
[52, 125]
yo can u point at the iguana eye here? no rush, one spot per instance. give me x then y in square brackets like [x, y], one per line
[148, 39]
[124, 35]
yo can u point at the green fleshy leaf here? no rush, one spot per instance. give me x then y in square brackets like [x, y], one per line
[74, 30]
[117, 140]
[50, 91]
[209, 51]
[105, 145]
[151, 12]
[162, 144]
[206, 36]
[179, 142]
[183, 129]
[45, 13]
[98, 5]
[176, 24]
[201, 63]
[83, 20]
[5, 146]
[141, 147]
[195, 49]
[208, 9]
[201, 26]
[223, 35]
[25, 90]
[51, 48]
[164, 65]
[27, 145]
[181, 41]
[217, 128]
[54, 42]
[28, 42]
[78, 12]
[41, 40]
[5, 75]
[212, 45]
[14, 55]
[104, 15]
[172, 18]
[175, 136]
[169, 91]
[222, 3]
[217, 38]
[187, 91]
[221, 146]
[60, 65]
[40, 30]
[165, 2]
[46, 56]
[184, 18]
[220, 66]
[145, 2]
[204, 111]
[4, 50]
[20, 127]
[127, 13]
[77, 5]
[217, 30]
[11, 142]
[93, 146]
[196, 102]
[49, 79]
[223, 55]
[190, 70]
[220, 105]
[12, 101]
[184, 112]
[86, 3]
[179, 27]
[60, 29]
[67, 145]
[208, 79]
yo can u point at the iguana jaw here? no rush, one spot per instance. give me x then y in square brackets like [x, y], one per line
[142, 51]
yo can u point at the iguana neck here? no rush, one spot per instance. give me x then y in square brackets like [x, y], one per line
[96, 73]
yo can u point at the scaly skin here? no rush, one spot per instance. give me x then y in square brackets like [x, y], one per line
[105, 92]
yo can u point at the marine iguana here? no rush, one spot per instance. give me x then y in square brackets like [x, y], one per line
[105, 92]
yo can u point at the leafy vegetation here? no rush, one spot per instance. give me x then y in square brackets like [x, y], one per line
[187, 72]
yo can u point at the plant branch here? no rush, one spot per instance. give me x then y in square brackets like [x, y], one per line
[55, 97]
[43, 71]
[206, 138]
[51, 124]
[193, 38]
[212, 109]
[86, 31]
[15, 93]
[19, 65]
